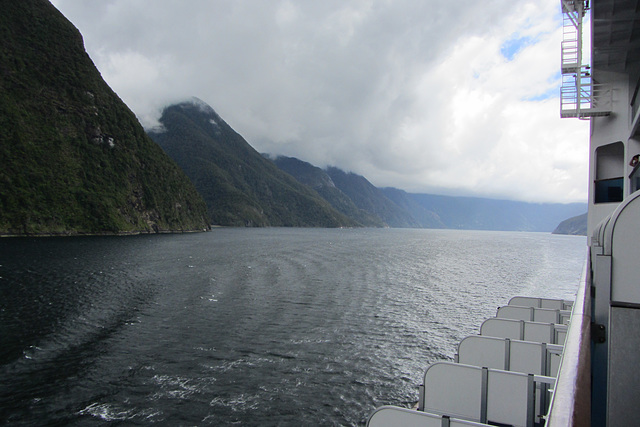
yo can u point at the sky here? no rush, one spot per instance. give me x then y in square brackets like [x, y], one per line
[430, 96]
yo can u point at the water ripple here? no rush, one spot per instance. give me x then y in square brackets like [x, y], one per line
[251, 327]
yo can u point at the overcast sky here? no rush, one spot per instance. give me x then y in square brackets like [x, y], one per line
[445, 97]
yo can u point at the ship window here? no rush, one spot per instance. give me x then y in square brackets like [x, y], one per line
[609, 182]
[635, 178]
[609, 190]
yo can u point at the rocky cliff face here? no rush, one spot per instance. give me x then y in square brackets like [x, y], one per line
[74, 157]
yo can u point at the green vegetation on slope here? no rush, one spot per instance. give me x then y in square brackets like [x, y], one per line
[74, 158]
[321, 182]
[371, 199]
[241, 187]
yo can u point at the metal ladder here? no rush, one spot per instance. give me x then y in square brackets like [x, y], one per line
[580, 95]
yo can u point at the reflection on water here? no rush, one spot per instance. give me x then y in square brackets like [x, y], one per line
[251, 326]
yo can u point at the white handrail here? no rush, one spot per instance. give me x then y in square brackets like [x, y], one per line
[571, 401]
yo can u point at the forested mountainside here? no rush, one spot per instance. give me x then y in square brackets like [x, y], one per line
[240, 186]
[322, 183]
[368, 197]
[425, 217]
[576, 226]
[74, 157]
[397, 208]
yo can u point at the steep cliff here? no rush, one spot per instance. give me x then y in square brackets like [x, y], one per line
[74, 157]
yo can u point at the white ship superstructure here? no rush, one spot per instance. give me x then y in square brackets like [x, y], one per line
[614, 216]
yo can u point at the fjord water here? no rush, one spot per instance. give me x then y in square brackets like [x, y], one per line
[251, 326]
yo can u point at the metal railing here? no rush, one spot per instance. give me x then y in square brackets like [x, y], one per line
[572, 13]
[582, 97]
[571, 400]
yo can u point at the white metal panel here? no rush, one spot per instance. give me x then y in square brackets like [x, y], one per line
[527, 357]
[483, 351]
[554, 364]
[390, 416]
[539, 332]
[555, 304]
[554, 357]
[453, 389]
[508, 395]
[624, 359]
[515, 312]
[525, 301]
[626, 254]
[546, 315]
[503, 328]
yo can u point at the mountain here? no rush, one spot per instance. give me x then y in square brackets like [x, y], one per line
[322, 183]
[576, 226]
[397, 208]
[74, 157]
[472, 213]
[240, 186]
[371, 199]
[425, 217]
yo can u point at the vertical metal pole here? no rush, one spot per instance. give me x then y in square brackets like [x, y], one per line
[483, 395]
[507, 354]
[580, 11]
[531, 401]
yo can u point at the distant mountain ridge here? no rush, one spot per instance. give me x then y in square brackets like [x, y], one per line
[240, 186]
[576, 226]
[73, 157]
[371, 199]
[244, 188]
[397, 208]
[322, 183]
[473, 213]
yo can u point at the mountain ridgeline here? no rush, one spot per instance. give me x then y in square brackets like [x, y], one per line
[74, 158]
[240, 186]
[397, 208]
[323, 184]
[244, 188]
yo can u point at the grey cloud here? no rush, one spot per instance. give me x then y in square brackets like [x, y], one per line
[331, 82]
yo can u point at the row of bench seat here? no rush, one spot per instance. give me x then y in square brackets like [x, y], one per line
[504, 376]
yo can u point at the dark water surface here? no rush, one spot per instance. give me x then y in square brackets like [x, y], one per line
[251, 326]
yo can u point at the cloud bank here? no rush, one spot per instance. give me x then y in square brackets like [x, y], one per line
[453, 98]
